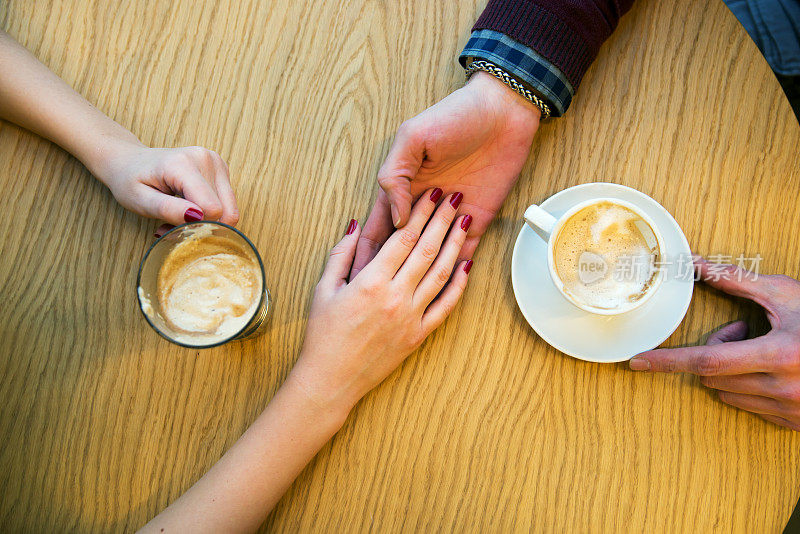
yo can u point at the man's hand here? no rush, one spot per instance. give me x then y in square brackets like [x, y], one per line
[475, 141]
[760, 375]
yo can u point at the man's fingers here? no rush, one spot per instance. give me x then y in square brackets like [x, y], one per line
[734, 358]
[751, 384]
[400, 167]
[781, 422]
[163, 229]
[340, 259]
[733, 280]
[752, 403]
[736, 331]
[376, 230]
[468, 248]
[398, 191]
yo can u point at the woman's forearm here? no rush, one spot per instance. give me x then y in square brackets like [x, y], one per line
[240, 490]
[34, 98]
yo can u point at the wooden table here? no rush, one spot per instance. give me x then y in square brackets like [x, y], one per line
[486, 428]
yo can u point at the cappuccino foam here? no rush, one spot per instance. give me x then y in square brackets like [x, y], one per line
[605, 255]
[209, 287]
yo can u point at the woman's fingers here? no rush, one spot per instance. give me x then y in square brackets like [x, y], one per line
[222, 183]
[427, 248]
[440, 272]
[340, 259]
[446, 302]
[400, 244]
[175, 210]
[196, 188]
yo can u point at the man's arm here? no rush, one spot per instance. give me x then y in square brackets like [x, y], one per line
[477, 139]
[565, 33]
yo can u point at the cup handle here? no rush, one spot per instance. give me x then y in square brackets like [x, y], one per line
[540, 220]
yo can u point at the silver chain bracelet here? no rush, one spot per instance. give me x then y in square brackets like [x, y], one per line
[503, 76]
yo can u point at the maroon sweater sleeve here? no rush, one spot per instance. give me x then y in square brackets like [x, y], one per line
[568, 33]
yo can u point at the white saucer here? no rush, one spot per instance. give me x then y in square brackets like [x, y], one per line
[584, 335]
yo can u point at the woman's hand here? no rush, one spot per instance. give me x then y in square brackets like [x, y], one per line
[176, 185]
[359, 332]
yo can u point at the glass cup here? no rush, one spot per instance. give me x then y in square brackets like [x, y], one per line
[147, 284]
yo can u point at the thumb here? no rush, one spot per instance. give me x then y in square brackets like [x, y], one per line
[341, 259]
[735, 331]
[174, 210]
[734, 280]
[400, 169]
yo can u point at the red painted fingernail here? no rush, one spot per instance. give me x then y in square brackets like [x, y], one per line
[465, 222]
[156, 234]
[352, 226]
[436, 194]
[193, 215]
[455, 201]
[468, 266]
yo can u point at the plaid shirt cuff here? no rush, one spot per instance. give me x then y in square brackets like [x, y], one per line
[524, 64]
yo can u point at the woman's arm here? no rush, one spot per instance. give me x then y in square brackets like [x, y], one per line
[142, 179]
[238, 492]
[357, 334]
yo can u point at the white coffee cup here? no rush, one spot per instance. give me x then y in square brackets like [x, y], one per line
[548, 227]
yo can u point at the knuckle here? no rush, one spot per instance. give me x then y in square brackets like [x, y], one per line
[370, 286]
[708, 381]
[233, 216]
[447, 307]
[783, 280]
[372, 245]
[709, 363]
[780, 287]
[442, 275]
[788, 355]
[791, 394]
[337, 250]
[321, 288]
[162, 208]
[407, 238]
[212, 210]
[384, 177]
[405, 128]
[392, 304]
[186, 156]
[200, 152]
[429, 250]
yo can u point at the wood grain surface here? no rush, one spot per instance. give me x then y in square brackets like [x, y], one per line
[485, 428]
